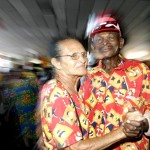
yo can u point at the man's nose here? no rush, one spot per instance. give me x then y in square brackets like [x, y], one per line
[106, 41]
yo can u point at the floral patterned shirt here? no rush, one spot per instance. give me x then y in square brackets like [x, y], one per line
[61, 126]
[108, 97]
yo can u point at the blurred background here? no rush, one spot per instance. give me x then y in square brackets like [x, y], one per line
[26, 27]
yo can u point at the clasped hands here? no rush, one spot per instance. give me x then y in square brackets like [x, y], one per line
[134, 124]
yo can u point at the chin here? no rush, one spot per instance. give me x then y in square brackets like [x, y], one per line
[104, 55]
[99, 56]
[82, 73]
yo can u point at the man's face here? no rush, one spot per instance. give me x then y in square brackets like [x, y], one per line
[106, 44]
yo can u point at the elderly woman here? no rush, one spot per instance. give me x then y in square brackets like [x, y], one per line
[64, 123]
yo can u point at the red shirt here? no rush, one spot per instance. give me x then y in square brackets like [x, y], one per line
[107, 98]
[60, 122]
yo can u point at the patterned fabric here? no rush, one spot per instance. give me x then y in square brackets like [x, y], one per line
[60, 122]
[28, 74]
[108, 97]
[23, 94]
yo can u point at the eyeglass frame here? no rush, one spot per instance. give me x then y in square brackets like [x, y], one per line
[110, 39]
[83, 54]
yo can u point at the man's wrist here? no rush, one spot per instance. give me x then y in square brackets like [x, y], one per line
[146, 124]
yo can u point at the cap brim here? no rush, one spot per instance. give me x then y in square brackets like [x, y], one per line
[104, 30]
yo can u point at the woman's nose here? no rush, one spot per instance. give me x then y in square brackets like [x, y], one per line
[82, 58]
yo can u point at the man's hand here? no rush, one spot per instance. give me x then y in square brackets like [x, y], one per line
[134, 123]
[132, 128]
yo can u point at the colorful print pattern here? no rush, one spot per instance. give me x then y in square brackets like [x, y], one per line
[23, 94]
[107, 98]
[60, 123]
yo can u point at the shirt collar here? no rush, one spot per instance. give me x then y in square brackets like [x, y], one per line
[121, 66]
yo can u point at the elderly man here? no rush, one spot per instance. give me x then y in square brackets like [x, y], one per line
[115, 85]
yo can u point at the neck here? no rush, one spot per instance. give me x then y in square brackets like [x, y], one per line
[108, 64]
[69, 82]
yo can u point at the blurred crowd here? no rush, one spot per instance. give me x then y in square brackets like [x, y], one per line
[19, 89]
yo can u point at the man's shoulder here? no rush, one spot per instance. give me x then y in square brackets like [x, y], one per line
[133, 62]
[93, 70]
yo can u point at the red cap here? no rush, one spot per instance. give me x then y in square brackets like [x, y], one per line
[103, 24]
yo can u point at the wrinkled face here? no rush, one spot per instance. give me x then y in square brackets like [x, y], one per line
[106, 44]
[76, 60]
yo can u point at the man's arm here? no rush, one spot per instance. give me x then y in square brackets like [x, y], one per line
[145, 95]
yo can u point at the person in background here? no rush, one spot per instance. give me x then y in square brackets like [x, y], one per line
[115, 84]
[18, 96]
[63, 121]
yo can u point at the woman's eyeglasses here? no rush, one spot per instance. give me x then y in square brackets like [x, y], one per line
[75, 56]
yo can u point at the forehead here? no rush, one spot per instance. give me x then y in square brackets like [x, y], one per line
[71, 45]
[110, 33]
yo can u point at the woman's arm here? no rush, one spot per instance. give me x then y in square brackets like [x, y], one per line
[99, 142]
[129, 129]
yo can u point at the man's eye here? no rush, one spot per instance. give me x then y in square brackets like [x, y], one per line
[99, 40]
[112, 37]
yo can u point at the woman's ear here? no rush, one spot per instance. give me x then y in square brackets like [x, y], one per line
[56, 63]
[121, 42]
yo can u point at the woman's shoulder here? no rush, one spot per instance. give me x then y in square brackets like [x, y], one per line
[51, 82]
[52, 87]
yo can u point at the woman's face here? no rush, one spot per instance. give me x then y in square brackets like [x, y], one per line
[73, 58]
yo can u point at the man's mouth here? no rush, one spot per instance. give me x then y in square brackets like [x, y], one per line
[106, 49]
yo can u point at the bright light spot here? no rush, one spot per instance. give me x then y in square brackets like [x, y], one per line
[35, 61]
[136, 54]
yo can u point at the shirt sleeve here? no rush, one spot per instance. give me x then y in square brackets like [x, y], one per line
[59, 122]
[145, 92]
[147, 116]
